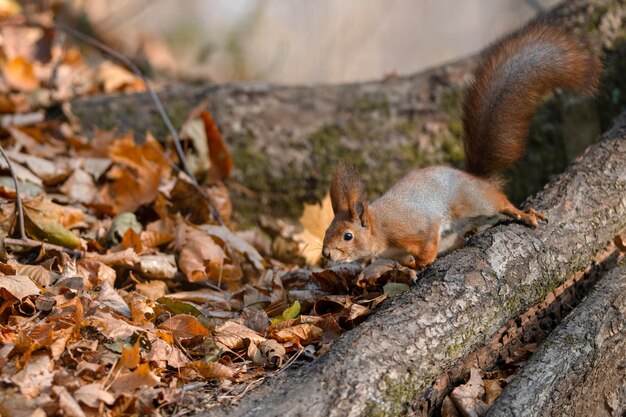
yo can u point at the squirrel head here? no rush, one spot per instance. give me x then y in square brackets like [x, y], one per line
[349, 236]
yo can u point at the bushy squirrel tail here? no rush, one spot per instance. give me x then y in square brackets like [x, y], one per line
[511, 80]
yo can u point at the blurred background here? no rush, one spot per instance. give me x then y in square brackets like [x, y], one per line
[296, 41]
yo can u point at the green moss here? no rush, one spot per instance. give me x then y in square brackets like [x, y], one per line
[451, 102]
[595, 17]
[372, 104]
[396, 398]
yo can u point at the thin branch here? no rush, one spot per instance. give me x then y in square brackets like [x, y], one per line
[18, 198]
[30, 243]
[153, 95]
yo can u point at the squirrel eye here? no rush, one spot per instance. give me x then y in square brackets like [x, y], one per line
[347, 236]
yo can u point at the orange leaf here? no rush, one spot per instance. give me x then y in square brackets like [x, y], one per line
[20, 74]
[184, 326]
[130, 357]
[129, 382]
[299, 334]
[221, 161]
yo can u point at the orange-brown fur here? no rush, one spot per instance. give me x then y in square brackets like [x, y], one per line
[535, 61]
[435, 204]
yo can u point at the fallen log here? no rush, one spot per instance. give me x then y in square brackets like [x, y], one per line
[460, 301]
[578, 371]
[286, 140]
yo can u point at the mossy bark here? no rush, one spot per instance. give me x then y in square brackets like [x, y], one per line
[460, 301]
[286, 140]
[578, 371]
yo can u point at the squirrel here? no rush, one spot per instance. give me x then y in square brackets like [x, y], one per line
[434, 205]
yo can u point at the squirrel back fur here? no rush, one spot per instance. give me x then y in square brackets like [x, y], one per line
[510, 81]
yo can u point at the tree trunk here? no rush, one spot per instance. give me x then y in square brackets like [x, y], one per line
[286, 140]
[579, 370]
[460, 301]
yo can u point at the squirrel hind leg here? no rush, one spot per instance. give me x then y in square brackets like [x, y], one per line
[530, 216]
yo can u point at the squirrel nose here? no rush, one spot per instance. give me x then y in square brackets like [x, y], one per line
[326, 253]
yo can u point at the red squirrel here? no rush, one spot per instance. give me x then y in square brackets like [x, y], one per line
[440, 204]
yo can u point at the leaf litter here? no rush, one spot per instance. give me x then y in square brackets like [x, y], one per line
[139, 293]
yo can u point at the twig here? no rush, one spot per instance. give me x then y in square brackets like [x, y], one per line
[30, 243]
[153, 95]
[18, 198]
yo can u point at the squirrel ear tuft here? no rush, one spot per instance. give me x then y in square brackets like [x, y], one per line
[347, 192]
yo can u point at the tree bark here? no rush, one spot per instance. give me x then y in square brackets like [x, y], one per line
[460, 301]
[286, 140]
[579, 370]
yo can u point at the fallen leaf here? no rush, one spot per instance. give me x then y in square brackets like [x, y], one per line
[46, 221]
[179, 307]
[67, 403]
[315, 220]
[468, 397]
[231, 335]
[129, 382]
[200, 258]
[130, 357]
[36, 377]
[237, 243]
[299, 334]
[289, 313]
[19, 286]
[152, 289]
[221, 161]
[391, 289]
[93, 394]
[111, 298]
[184, 326]
[493, 389]
[212, 370]
[274, 352]
[19, 72]
[80, 187]
[448, 409]
[160, 266]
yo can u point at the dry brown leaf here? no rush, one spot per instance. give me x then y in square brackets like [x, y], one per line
[448, 409]
[468, 397]
[212, 370]
[230, 335]
[36, 377]
[152, 289]
[164, 353]
[40, 275]
[80, 187]
[315, 220]
[126, 258]
[237, 243]
[20, 73]
[19, 286]
[128, 382]
[113, 77]
[273, 352]
[67, 403]
[50, 172]
[160, 266]
[200, 258]
[301, 334]
[221, 161]
[493, 389]
[109, 297]
[93, 394]
[137, 175]
[184, 326]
